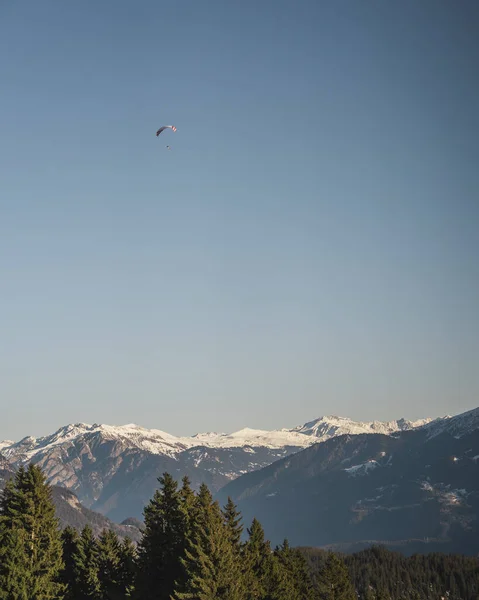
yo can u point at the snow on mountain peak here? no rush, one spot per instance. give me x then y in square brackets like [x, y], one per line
[328, 426]
[156, 441]
[254, 437]
[150, 440]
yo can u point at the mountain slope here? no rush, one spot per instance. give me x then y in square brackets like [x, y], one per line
[422, 483]
[114, 469]
[70, 511]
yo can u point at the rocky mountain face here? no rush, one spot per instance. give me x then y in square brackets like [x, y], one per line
[114, 470]
[418, 486]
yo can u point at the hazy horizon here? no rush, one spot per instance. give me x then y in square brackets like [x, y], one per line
[308, 247]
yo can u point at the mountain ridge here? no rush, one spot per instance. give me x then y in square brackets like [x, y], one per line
[421, 483]
[160, 442]
[114, 469]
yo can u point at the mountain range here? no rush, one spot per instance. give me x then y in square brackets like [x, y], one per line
[114, 469]
[329, 482]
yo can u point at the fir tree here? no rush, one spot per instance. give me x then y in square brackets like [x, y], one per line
[212, 566]
[69, 539]
[299, 583]
[202, 506]
[109, 565]
[334, 580]
[162, 543]
[258, 562]
[30, 544]
[188, 522]
[233, 520]
[86, 559]
[127, 571]
[14, 565]
[187, 504]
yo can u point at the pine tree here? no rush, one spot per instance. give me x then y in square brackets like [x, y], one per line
[127, 571]
[212, 565]
[187, 504]
[233, 520]
[202, 506]
[299, 583]
[69, 538]
[334, 580]
[188, 519]
[258, 562]
[30, 544]
[161, 546]
[109, 565]
[86, 559]
[14, 565]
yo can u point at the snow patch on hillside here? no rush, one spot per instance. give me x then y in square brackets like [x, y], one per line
[362, 469]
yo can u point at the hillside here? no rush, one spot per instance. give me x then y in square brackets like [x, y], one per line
[422, 483]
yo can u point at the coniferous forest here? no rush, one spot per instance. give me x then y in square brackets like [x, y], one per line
[192, 548]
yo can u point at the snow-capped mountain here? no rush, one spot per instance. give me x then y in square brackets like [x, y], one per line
[114, 469]
[327, 427]
[156, 441]
[153, 441]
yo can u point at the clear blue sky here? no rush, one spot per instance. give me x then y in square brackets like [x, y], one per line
[309, 245]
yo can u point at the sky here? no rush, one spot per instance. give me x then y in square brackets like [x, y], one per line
[309, 245]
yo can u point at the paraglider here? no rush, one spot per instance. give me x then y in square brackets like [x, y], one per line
[172, 127]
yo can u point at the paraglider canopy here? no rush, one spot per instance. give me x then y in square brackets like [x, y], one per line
[172, 127]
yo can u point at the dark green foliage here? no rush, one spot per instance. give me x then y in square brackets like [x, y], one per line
[30, 544]
[279, 575]
[258, 562]
[233, 520]
[191, 549]
[127, 569]
[188, 519]
[188, 508]
[69, 538]
[211, 561]
[297, 573]
[162, 543]
[86, 559]
[334, 582]
[109, 566]
[378, 573]
[102, 569]
[14, 565]
[116, 566]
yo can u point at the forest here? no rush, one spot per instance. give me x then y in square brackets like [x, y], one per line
[380, 574]
[192, 548]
